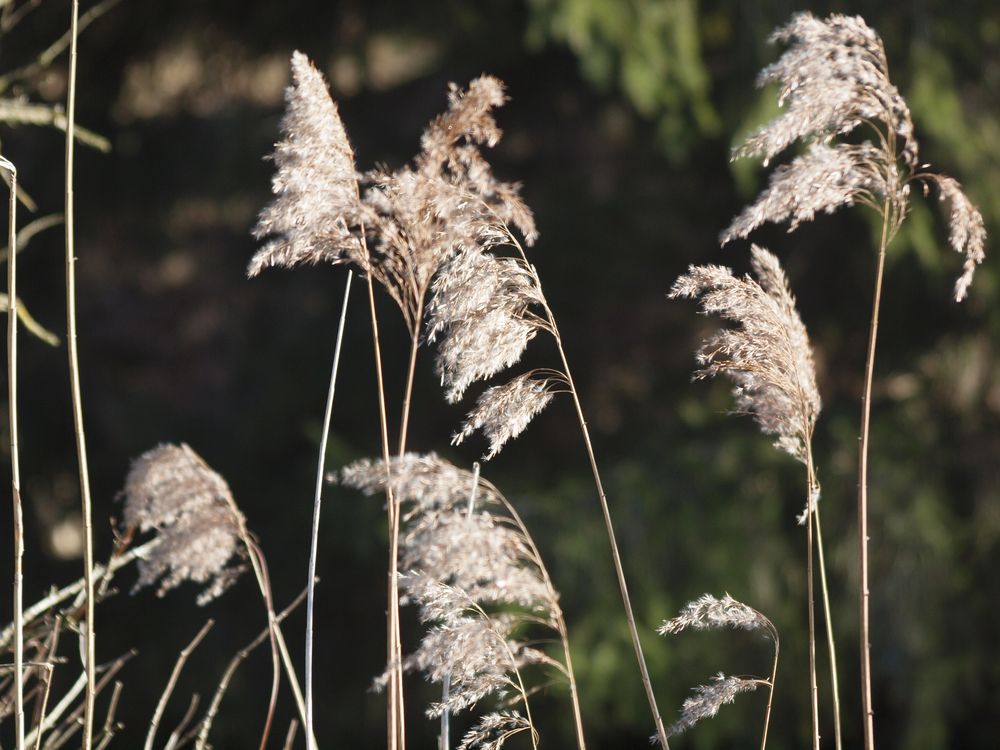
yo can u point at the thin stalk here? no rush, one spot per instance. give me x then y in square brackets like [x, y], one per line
[161, 705]
[559, 618]
[317, 499]
[205, 725]
[813, 687]
[394, 709]
[615, 554]
[831, 646]
[605, 509]
[396, 666]
[74, 376]
[868, 714]
[770, 693]
[15, 462]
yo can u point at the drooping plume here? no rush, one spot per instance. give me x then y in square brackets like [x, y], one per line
[708, 699]
[768, 356]
[834, 78]
[172, 491]
[710, 613]
[470, 567]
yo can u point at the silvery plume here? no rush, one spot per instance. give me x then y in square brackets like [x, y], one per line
[768, 356]
[399, 226]
[431, 233]
[711, 613]
[833, 79]
[473, 571]
[171, 491]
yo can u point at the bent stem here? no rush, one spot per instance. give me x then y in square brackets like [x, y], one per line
[605, 510]
[317, 498]
[770, 693]
[172, 682]
[15, 462]
[831, 646]
[74, 376]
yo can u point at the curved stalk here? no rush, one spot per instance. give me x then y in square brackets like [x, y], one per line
[830, 644]
[15, 462]
[317, 498]
[74, 376]
[868, 714]
[603, 500]
[770, 694]
[615, 555]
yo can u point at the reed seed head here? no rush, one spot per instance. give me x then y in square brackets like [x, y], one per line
[171, 491]
[768, 357]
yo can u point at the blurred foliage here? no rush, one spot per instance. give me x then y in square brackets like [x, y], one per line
[620, 124]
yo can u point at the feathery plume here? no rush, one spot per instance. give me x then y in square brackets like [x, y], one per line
[966, 233]
[709, 613]
[480, 312]
[708, 699]
[470, 567]
[503, 412]
[317, 204]
[171, 490]
[821, 180]
[833, 76]
[768, 357]
[493, 730]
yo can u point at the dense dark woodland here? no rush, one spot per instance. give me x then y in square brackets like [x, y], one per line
[620, 122]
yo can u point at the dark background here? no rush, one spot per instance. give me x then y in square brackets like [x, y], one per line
[620, 124]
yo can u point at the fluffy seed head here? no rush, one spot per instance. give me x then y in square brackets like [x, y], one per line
[709, 613]
[708, 699]
[172, 491]
[315, 185]
[768, 357]
[833, 76]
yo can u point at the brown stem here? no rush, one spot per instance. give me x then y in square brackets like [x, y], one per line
[605, 510]
[161, 705]
[868, 714]
[615, 555]
[392, 625]
[830, 644]
[770, 694]
[813, 687]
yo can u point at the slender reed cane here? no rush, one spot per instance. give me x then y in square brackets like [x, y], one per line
[15, 462]
[74, 376]
[868, 714]
[830, 644]
[605, 509]
[314, 547]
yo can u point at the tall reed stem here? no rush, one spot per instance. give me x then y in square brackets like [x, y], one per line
[396, 666]
[810, 508]
[392, 626]
[15, 461]
[868, 714]
[74, 377]
[647, 684]
[317, 499]
[606, 512]
[830, 644]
